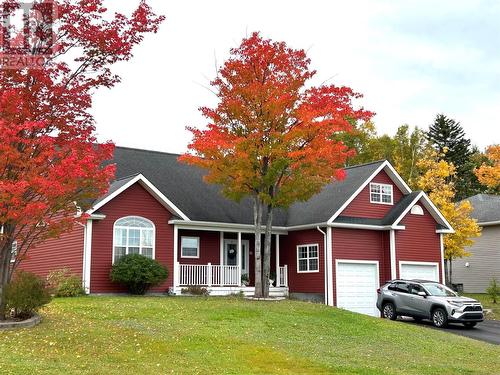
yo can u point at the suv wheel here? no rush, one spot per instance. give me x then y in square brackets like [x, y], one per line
[389, 311]
[470, 324]
[439, 318]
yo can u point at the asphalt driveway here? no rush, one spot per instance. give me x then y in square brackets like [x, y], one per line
[488, 331]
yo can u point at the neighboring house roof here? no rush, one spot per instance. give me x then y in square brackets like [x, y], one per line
[486, 208]
[190, 198]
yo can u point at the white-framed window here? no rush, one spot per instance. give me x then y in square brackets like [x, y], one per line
[133, 235]
[380, 193]
[190, 247]
[308, 258]
[417, 210]
[13, 251]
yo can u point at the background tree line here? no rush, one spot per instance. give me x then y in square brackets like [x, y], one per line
[440, 161]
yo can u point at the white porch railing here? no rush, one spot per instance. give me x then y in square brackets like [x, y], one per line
[283, 277]
[208, 275]
[217, 275]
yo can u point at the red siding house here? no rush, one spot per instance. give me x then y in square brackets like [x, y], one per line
[338, 247]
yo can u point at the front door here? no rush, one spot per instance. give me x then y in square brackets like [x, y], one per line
[231, 254]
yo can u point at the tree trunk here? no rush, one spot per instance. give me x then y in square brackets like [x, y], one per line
[267, 252]
[5, 256]
[257, 217]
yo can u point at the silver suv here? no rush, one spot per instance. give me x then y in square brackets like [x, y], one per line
[421, 299]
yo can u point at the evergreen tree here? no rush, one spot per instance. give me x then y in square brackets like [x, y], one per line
[448, 138]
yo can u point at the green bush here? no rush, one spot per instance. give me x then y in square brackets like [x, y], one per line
[26, 294]
[65, 284]
[493, 291]
[138, 273]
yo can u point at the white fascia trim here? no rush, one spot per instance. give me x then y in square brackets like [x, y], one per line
[434, 209]
[150, 188]
[363, 226]
[413, 202]
[489, 223]
[303, 226]
[87, 255]
[97, 216]
[390, 171]
[226, 227]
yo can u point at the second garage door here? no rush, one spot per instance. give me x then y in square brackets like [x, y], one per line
[357, 284]
[421, 271]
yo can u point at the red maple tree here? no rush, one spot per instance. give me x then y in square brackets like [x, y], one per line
[270, 137]
[51, 165]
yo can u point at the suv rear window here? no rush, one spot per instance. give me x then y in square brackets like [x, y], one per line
[399, 287]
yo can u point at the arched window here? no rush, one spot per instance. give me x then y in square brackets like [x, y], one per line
[133, 235]
[417, 210]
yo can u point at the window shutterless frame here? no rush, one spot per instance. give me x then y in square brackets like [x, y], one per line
[197, 247]
[379, 191]
[150, 227]
[308, 257]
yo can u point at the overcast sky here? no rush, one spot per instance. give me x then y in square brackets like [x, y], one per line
[410, 59]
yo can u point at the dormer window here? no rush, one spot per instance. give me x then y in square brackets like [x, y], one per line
[381, 193]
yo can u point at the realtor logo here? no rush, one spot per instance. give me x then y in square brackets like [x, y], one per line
[26, 35]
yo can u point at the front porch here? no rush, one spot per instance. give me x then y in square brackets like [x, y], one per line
[223, 261]
[224, 279]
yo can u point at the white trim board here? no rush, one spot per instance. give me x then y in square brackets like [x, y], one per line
[145, 183]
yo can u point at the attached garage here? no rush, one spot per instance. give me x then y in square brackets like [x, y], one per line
[356, 284]
[419, 270]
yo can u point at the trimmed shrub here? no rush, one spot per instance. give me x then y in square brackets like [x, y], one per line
[493, 291]
[195, 290]
[138, 273]
[26, 294]
[65, 284]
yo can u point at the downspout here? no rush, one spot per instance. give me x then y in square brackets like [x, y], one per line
[326, 263]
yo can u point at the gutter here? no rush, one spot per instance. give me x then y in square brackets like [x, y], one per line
[326, 263]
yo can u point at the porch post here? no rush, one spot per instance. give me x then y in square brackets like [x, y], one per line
[278, 278]
[176, 264]
[221, 262]
[239, 259]
[209, 274]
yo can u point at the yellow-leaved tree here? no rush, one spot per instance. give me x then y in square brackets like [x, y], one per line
[488, 174]
[435, 180]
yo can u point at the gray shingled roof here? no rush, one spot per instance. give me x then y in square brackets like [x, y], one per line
[184, 186]
[486, 207]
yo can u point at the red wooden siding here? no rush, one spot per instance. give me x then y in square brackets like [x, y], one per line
[135, 201]
[56, 253]
[209, 247]
[360, 244]
[313, 282]
[361, 206]
[419, 242]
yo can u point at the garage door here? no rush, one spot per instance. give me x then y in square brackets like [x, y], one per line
[357, 285]
[419, 271]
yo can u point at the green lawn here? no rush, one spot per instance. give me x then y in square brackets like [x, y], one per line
[487, 304]
[155, 335]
